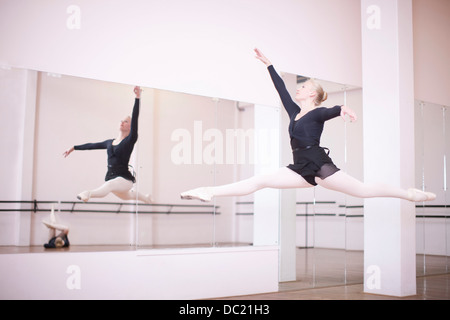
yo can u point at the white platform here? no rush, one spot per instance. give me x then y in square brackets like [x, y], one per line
[161, 274]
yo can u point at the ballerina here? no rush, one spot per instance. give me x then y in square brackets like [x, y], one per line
[60, 240]
[312, 165]
[119, 180]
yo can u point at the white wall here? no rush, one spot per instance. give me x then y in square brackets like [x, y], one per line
[431, 50]
[12, 136]
[200, 47]
[204, 47]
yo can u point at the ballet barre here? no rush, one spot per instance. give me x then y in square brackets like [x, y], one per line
[306, 204]
[348, 207]
[74, 207]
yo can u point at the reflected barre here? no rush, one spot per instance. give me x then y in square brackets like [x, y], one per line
[305, 204]
[73, 207]
[341, 210]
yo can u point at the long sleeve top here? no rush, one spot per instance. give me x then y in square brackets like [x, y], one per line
[118, 155]
[308, 129]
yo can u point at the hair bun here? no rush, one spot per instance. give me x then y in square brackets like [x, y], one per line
[325, 96]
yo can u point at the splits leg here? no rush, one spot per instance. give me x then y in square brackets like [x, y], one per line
[283, 178]
[53, 225]
[119, 185]
[133, 195]
[342, 182]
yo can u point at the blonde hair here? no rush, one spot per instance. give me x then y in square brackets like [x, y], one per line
[59, 242]
[321, 95]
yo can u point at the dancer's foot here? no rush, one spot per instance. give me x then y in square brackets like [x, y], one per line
[203, 194]
[419, 195]
[84, 196]
[149, 199]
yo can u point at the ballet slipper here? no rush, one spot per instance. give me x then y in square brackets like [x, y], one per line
[84, 196]
[419, 195]
[203, 194]
[149, 199]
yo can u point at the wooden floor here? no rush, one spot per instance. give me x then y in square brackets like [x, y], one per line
[327, 274]
[434, 287]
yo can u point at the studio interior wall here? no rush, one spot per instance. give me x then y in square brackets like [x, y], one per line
[199, 47]
[138, 42]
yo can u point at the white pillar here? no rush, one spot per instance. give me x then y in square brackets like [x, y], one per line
[388, 111]
[18, 100]
[266, 201]
[288, 261]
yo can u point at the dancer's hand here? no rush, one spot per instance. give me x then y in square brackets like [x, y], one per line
[68, 151]
[137, 92]
[347, 111]
[261, 57]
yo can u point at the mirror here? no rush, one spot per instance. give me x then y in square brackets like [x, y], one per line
[184, 141]
[432, 232]
[174, 155]
[330, 230]
[197, 141]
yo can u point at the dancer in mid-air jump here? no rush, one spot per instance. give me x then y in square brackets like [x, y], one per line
[119, 179]
[312, 165]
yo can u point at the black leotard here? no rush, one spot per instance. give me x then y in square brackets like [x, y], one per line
[118, 155]
[310, 160]
[52, 242]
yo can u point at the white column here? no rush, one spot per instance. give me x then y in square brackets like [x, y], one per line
[23, 83]
[388, 107]
[266, 201]
[142, 227]
[288, 261]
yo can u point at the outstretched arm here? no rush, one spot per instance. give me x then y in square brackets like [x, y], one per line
[290, 106]
[326, 114]
[135, 114]
[87, 146]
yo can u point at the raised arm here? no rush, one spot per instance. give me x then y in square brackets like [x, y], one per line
[135, 115]
[289, 104]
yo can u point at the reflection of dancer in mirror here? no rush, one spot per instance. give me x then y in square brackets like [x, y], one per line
[119, 179]
[56, 241]
[312, 165]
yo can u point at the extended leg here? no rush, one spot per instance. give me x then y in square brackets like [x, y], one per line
[133, 195]
[118, 184]
[55, 226]
[283, 178]
[52, 225]
[342, 182]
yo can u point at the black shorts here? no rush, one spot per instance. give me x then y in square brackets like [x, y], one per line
[312, 162]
